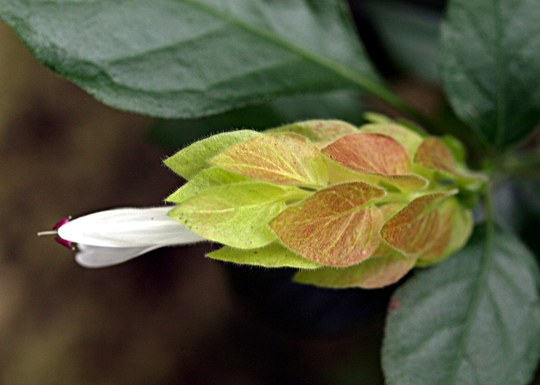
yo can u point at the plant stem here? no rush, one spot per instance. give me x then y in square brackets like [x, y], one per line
[298, 194]
[522, 165]
[385, 94]
[489, 213]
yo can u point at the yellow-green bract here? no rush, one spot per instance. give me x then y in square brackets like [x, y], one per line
[348, 206]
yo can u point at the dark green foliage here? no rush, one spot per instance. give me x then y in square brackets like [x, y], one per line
[491, 65]
[474, 320]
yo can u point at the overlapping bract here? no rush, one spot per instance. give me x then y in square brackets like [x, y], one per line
[348, 206]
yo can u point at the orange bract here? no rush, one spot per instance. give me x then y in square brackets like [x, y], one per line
[375, 272]
[370, 153]
[334, 226]
[319, 131]
[423, 228]
[433, 153]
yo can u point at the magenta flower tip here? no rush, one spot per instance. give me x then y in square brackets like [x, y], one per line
[65, 243]
[61, 223]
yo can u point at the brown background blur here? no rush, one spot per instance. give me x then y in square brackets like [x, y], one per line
[169, 317]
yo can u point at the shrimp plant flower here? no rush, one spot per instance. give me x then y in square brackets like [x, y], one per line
[114, 236]
[347, 206]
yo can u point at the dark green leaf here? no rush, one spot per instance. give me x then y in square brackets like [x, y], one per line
[409, 33]
[491, 66]
[188, 58]
[473, 320]
[342, 105]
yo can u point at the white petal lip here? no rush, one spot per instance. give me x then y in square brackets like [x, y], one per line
[96, 256]
[114, 236]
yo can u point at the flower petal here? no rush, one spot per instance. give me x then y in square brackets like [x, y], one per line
[96, 256]
[128, 227]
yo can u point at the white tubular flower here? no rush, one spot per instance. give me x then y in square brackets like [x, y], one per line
[114, 236]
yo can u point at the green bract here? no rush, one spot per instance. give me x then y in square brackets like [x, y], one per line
[348, 206]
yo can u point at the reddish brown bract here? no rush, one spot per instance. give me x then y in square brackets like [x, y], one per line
[370, 153]
[333, 227]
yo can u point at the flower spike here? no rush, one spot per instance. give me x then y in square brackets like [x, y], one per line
[347, 206]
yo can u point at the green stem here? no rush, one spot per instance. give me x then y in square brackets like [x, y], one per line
[393, 198]
[297, 194]
[384, 94]
[522, 165]
[489, 213]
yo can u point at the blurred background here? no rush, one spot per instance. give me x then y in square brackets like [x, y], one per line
[172, 316]
[169, 317]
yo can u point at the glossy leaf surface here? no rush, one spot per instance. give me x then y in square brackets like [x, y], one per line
[178, 133]
[472, 320]
[490, 64]
[189, 58]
